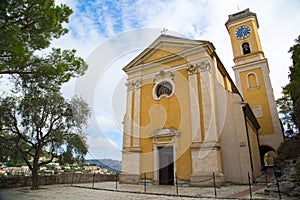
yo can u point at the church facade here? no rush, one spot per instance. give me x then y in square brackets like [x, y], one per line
[186, 118]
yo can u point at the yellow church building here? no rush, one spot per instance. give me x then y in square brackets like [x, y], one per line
[186, 118]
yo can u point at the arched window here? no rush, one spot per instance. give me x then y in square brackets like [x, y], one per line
[252, 81]
[246, 48]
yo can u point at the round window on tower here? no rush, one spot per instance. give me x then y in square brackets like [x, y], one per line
[163, 89]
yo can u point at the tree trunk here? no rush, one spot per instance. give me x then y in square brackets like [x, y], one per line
[35, 175]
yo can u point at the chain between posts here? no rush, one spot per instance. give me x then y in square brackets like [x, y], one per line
[213, 177]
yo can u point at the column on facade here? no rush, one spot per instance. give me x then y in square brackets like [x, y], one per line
[194, 104]
[131, 156]
[206, 158]
[128, 119]
[136, 115]
[208, 103]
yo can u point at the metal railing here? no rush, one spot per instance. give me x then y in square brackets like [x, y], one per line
[145, 186]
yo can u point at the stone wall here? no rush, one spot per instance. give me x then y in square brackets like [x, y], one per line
[65, 178]
[289, 182]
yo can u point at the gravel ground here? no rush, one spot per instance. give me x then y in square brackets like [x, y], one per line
[84, 192]
[63, 192]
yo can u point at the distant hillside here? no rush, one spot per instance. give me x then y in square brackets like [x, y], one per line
[111, 165]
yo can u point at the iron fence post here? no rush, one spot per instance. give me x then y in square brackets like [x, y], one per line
[277, 183]
[94, 179]
[266, 177]
[176, 183]
[116, 181]
[214, 178]
[145, 176]
[72, 178]
[249, 181]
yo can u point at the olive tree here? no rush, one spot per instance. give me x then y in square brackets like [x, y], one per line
[43, 121]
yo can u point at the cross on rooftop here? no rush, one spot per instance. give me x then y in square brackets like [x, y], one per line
[164, 31]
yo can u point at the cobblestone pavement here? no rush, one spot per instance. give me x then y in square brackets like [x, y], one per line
[127, 192]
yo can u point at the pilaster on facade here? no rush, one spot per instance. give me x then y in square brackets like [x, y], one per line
[207, 78]
[205, 162]
[127, 118]
[193, 71]
[136, 114]
[130, 167]
[131, 154]
[132, 117]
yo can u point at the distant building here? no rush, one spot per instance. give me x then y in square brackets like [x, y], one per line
[90, 167]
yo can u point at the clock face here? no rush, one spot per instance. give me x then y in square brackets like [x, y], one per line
[242, 32]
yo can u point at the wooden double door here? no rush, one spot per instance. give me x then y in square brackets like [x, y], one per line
[166, 165]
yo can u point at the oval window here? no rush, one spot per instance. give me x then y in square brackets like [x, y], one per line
[164, 88]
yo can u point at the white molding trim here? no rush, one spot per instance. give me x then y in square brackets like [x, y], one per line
[176, 56]
[240, 22]
[173, 69]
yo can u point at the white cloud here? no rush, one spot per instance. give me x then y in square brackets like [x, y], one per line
[186, 17]
[107, 123]
[102, 148]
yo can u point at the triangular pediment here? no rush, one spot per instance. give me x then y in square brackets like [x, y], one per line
[163, 47]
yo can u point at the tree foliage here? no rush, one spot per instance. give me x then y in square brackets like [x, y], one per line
[286, 109]
[27, 27]
[11, 158]
[37, 119]
[294, 86]
[39, 122]
[289, 103]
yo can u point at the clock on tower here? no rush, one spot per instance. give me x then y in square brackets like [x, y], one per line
[242, 32]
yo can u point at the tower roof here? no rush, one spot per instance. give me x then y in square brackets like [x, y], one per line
[241, 15]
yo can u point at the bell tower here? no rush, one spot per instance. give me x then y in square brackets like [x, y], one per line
[252, 77]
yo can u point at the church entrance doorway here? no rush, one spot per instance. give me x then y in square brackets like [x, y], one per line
[166, 165]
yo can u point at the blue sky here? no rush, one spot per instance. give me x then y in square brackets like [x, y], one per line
[108, 34]
[106, 16]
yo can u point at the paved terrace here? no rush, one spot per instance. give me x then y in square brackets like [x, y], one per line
[107, 190]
